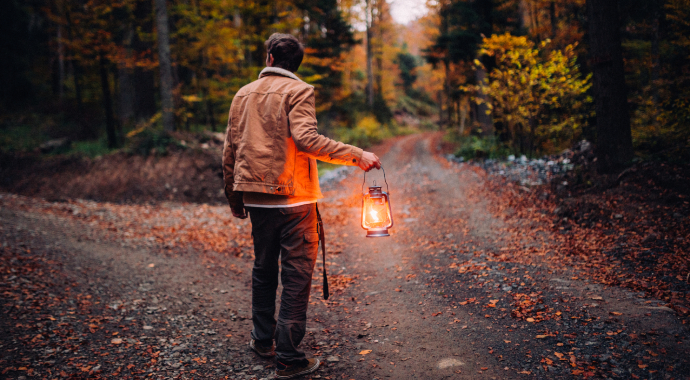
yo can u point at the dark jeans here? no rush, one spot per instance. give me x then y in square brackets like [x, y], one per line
[290, 234]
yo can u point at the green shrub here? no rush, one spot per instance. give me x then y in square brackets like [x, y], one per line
[20, 137]
[428, 125]
[419, 104]
[381, 111]
[147, 141]
[402, 130]
[367, 132]
[481, 147]
[325, 167]
[92, 148]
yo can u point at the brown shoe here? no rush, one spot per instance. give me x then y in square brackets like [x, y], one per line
[290, 371]
[264, 351]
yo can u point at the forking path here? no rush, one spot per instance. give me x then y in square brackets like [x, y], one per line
[409, 313]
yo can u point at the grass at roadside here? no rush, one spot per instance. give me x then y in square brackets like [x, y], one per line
[325, 167]
[92, 148]
[20, 137]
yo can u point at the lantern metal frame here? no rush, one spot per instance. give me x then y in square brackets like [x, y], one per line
[381, 231]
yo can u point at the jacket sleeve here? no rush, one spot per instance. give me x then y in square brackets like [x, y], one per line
[302, 117]
[234, 197]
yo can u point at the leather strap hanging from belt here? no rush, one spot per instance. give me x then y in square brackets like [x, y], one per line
[322, 238]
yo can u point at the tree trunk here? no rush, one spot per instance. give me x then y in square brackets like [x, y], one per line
[165, 66]
[118, 123]
[379, 74]
[370, 72]
[656, 59]
[463, 114]
[237, 19]
[552, 17]
[126, 93]
[440, 108]
[125, 79]
[514, 137]
[524, 15]
[77, 82]
[61, 64]
[446, 88]
[75, 65]
[532, 134]
[534, 19]
[144, 79]
[210, 119]
[107, 103]
[379, 47]
[614, 141]
[483, 117]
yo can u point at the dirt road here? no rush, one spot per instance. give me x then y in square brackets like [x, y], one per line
[99, 290]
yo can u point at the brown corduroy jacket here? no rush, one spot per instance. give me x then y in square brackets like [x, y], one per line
[272, 142]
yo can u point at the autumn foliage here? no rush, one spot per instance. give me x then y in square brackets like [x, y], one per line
[540, 97]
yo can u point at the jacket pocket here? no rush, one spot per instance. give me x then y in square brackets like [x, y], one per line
[311, 247]
[311, 237]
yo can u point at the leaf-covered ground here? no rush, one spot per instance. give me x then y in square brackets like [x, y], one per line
[479, 280]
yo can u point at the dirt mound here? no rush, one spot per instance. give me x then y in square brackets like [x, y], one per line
[186, 175]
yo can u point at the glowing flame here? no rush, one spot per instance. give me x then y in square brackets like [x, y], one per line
[374, 215]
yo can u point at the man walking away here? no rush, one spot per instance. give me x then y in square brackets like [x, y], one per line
[269, 167]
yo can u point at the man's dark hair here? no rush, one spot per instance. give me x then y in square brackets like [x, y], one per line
[286, 50]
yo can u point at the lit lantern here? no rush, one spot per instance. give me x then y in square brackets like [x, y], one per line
[376, 210]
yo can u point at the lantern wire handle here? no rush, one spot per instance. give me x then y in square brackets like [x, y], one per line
[384, 179]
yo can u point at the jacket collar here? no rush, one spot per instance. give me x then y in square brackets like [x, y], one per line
[279, 71]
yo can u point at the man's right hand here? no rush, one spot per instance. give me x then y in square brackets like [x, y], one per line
[369, 161]
[239, 212]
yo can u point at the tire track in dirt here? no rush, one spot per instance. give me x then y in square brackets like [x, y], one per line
[390, 307]
[436, 299]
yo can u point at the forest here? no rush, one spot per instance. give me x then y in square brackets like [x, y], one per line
[498, 76]
[537, 182]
